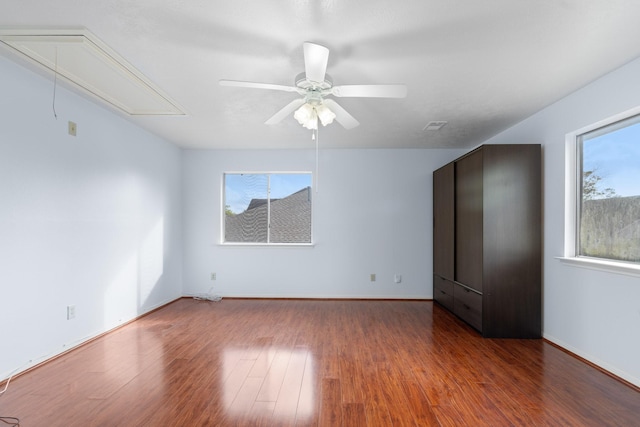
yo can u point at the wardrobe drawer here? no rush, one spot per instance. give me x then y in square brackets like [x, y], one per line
[468, 306]
[443, 292]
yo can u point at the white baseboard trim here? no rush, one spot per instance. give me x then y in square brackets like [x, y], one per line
[68, 347]
[605, 366]
[316, 296]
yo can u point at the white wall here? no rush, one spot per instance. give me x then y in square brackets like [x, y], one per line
[91, 221]
[95, 221]
[372, 214]
[594, 314]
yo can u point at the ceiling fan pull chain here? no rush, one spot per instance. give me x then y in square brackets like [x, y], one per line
[317, 151]
[55, 83]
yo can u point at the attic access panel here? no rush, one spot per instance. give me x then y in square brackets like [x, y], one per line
[82, 59]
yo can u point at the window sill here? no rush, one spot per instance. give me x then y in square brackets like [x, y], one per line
[268, 245]
[629, 269]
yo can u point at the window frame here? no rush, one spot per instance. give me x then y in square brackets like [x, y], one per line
[223, 242]
[573, 191]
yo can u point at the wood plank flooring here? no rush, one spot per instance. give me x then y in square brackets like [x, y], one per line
[314, 363]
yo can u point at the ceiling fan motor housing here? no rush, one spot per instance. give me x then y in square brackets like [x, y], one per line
[313, 91]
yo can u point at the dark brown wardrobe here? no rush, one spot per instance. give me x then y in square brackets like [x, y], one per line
[487, 239]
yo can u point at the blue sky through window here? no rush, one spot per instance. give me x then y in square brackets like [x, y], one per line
[240, 189]
[615, 156]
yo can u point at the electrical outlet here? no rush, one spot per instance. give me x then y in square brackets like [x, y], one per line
[213, 276]
[372, 277]
[71, 312]
[73, 128]
[397, 278]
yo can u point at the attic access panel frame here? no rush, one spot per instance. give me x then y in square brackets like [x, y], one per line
[80, 58]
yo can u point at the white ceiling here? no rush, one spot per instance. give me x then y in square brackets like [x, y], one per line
[482, 66]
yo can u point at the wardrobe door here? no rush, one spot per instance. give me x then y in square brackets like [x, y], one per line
[443, 221]
[512, 240]
[468, 220]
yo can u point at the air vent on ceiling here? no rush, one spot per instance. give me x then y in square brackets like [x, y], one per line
[435, 125]
[82, 59]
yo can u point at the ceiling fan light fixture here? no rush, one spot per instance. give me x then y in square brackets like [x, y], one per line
[307, 116]
[325, 115]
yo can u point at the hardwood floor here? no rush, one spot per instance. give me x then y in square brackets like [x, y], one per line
[308, 363]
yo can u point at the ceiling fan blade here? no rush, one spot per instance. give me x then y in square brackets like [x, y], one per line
[288, 109]
[342, 116]
[315, 61]
[254, 85]
[370, 91]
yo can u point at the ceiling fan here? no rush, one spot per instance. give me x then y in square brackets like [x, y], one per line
[314, 84]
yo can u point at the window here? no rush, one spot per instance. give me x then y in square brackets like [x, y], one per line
[607, 188]
[267, 208]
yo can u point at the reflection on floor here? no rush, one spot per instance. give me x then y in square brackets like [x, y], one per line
[314, 363]
[268, 380]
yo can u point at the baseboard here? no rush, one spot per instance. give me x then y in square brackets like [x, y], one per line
[594, 362]
[84, 342]
[322, 297]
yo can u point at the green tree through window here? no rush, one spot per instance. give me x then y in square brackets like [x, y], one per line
[609, 205]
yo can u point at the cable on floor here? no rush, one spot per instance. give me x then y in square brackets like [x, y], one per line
[208, 296]
[6, 386]
[10, 421]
